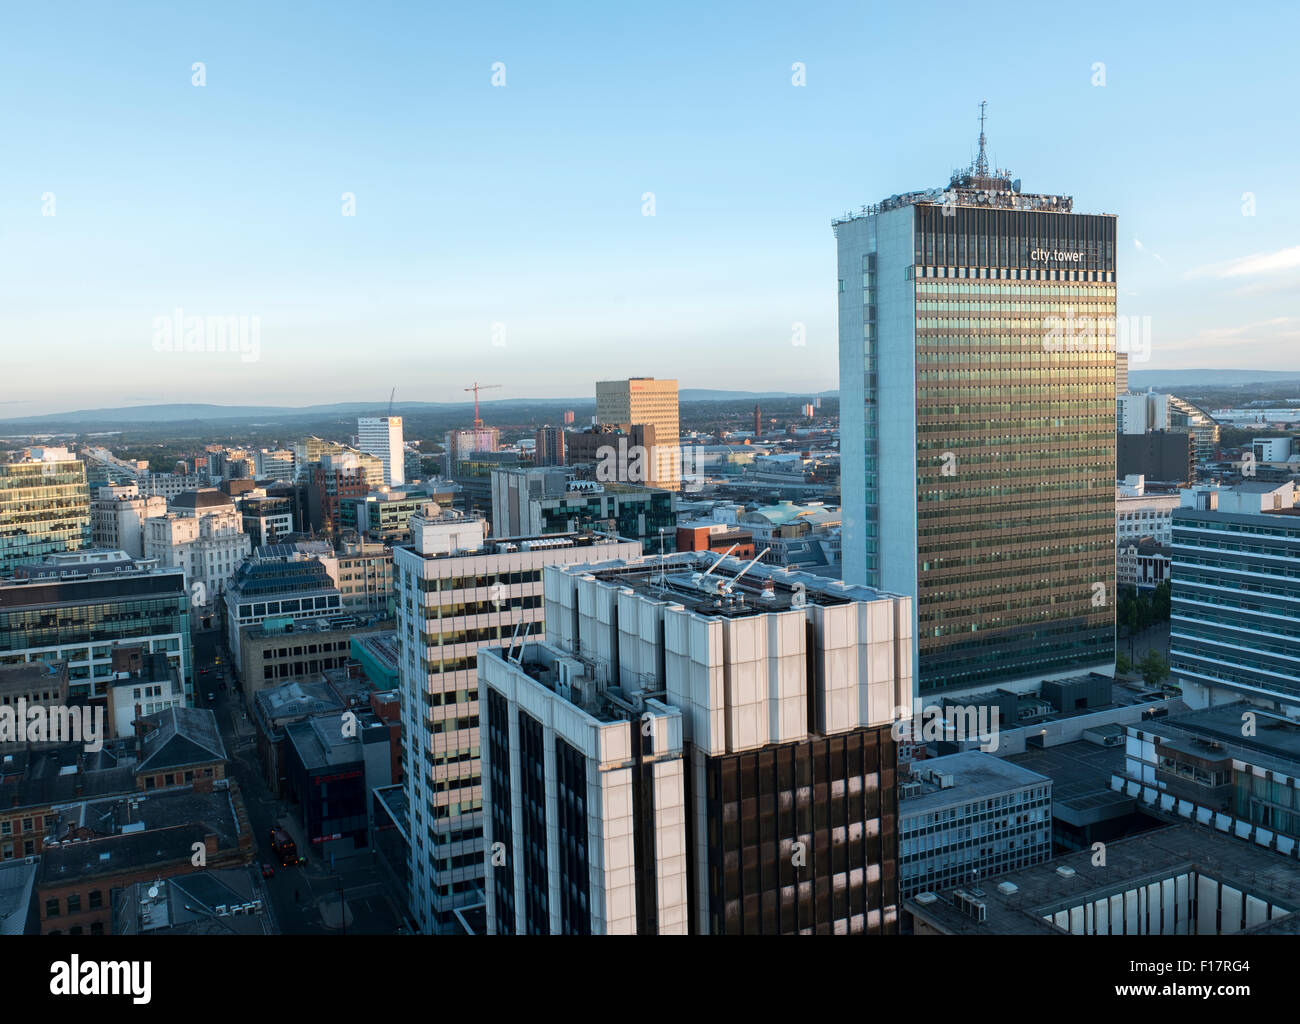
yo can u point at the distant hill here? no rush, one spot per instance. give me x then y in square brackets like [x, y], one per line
[233, 414]
[1143, 379]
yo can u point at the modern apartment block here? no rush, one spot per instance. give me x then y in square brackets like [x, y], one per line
[381, 436]
[44, 506]
[644, 400]
[456, 591]
[970, 816]
[1235, 615]
[783, 686]
[79, 606]
[977, 340]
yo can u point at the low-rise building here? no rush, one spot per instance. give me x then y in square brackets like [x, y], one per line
[262, 588]
[284, 648]
[149, 685]
[29, 685]
[108, 844]
[970, 816]
[1170, 881]
[332, 762]
[219, 901]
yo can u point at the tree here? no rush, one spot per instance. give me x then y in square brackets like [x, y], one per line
[1160, 600]
[1154, 668]
[1122, 664]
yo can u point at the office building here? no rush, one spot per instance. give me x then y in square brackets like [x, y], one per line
[977, 339]
[456, 592]
[1121, 373]
[462, 444]
[308, 451]
[44, 506]
[364, 575]
[273, 464]
[604, 852]
[331, 764]
[646, 401]
[265, 588]
[550, 447]
[533, 501]
[79, 606]
[970, 816]
[1141, 515]
[1159, 455]
[381, 436]
[783, 686]
[1234, 632]
[267, 519]
[142, 684]
[1149, 412]
[384, 515]
[286, 648]
[203, 534]
[25, 686]
[336, 481]
[117, 517]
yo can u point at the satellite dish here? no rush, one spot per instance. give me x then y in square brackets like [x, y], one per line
[153, 892]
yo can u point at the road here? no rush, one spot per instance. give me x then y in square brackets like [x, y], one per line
[303, 898]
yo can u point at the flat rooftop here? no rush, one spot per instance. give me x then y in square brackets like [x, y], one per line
[1080, 774]
[702, 582]
[1275, 745]
[1138, 860]
[976, 776]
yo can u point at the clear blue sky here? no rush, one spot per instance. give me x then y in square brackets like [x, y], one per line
[522, 205]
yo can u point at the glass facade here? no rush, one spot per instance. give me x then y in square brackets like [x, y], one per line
[81, 620]
[44, 509]
[1015, 443]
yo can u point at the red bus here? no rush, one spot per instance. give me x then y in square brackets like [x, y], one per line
[282, 846]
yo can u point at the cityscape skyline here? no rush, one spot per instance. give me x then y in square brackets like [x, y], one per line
[741, 470]
[250, 222]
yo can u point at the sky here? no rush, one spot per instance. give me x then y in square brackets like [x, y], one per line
[350, 176]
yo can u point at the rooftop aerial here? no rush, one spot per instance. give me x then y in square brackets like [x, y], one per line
[977, 186]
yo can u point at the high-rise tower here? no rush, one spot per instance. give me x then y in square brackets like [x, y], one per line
[977, 413]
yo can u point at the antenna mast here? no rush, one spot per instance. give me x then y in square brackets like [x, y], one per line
[982, 161]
